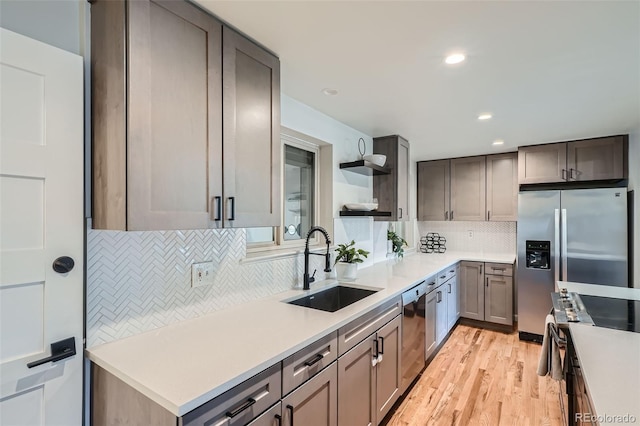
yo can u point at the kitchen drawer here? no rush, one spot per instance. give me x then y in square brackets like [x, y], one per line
[307, 362]
[445, 275]
[256, 394]
[505, 269]
[357, 330]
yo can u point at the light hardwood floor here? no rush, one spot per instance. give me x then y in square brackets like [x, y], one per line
[482, 377]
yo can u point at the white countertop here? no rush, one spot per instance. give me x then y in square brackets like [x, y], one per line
[610, 359]
[184, 365]
[610, 362]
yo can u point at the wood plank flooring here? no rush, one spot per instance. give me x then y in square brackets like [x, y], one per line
[482, 377]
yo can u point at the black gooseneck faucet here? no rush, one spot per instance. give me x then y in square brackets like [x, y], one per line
[327, 266]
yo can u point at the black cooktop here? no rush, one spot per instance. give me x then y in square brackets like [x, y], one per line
[621, 314]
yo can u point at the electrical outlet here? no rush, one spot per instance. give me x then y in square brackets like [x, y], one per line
[470, 234]
[201, 274]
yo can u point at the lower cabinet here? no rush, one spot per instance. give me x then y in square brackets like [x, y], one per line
[315, 403]
[487, 292]
[453, 301]
[441, 314]
[369, 377]
[430, 315]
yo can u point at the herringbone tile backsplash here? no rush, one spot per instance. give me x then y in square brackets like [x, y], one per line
[139, 281]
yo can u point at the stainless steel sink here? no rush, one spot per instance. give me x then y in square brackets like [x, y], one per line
[333, 299]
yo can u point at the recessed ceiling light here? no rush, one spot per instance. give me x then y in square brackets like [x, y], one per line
[498, 142]
[330, 92]
[456, 58]
[484, 116]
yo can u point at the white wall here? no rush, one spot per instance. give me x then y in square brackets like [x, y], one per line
[634, 183]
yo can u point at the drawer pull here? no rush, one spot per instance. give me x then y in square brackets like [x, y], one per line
[314, 360]
[247, 404]
[498, 269]
[443, 276]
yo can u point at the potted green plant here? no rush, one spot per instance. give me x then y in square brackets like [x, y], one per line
[347, 260]
[397, 243]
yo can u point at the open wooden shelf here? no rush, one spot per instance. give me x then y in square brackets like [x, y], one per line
[364, 167]
[363, 213]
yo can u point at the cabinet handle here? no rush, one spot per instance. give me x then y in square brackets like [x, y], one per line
[451, 214]
[449, 288]
[381, 345]
[498, 269]
[278, 419]
[290, 408]
[438, 296]
[217, 207]
[314, 360]
[564, 174]
[446, 215]
[571, 174]
[487, 280]
[377, 351]
[488, 214]
[400, 212]
[443, 276]
[247, 404]
[232, 201]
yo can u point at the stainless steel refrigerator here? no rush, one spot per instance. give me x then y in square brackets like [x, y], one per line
[577, 235]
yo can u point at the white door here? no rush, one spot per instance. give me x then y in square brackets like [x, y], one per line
[41, 219]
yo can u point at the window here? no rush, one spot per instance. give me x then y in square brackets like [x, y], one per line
[306, 164]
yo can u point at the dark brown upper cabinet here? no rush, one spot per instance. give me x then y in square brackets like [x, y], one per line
[433, 190]
[576, 161]
[164, 92]
[392, 190]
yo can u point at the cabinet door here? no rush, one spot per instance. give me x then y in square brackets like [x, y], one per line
[357, 385]
[502, 187]
[441, 313]
[315, 403]
[498, 299]
[392, 190]
[453, 304]
[430, 324]
[596, 159]
[389, 374]
[542, 163]
[468, 186]
[174, 115]
[252, 147]
[472, 290]
[433, 190]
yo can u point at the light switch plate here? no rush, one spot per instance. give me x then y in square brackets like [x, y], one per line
[470, 234]
[201, 274]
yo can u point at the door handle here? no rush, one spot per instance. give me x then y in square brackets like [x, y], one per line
[217, 201]
[63, 264]
[232, 202]
[59, 351]
[556, 253]
[564, 245]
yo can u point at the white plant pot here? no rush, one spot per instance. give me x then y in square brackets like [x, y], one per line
[389, 247]
[346, 271]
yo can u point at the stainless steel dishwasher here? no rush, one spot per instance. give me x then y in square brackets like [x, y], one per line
[413, 333]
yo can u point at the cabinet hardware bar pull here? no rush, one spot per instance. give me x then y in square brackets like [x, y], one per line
[498, 269]
[278, 419]
[217, 200]
[443, 276]
[488, 214]
[377, 352]
[247, 404]
[59, 351]
[571, 174]
[487, 280]
[290, 408]
[446, 215]
[451, 214]
[381, 345]
[314, 360]
[449, 288]
[400, 212]
[564, 174]
[232, 201]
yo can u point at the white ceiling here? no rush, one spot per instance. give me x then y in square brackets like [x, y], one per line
[548, 71]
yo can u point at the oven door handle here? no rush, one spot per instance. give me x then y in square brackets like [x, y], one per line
[556, 250]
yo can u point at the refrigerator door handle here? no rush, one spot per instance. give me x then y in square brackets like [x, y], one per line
[556, 254]
[564, 245]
